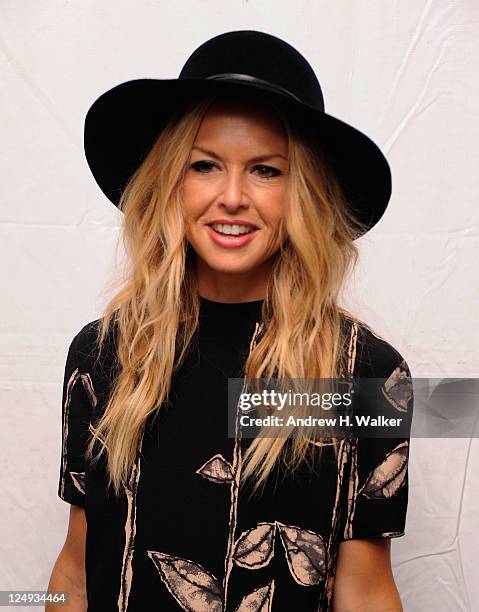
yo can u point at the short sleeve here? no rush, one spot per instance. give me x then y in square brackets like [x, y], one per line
[375, 495]
[76, 414]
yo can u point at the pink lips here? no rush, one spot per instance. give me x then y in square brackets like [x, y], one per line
[229, 242]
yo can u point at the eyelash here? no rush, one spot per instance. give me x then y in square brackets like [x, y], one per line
[269, 168]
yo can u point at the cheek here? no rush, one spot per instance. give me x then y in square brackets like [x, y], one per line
[274, 207]
[197, 190]
[190, 198]
[187, 190]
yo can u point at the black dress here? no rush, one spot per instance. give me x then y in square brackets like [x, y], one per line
[182, 536]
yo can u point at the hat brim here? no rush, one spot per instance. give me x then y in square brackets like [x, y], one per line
[124, 122]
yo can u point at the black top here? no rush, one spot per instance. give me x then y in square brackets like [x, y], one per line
[182, 536]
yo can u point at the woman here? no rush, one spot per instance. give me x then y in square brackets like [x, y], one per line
[242, 200]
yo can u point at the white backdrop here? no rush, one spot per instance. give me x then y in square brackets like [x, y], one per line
[406, 73]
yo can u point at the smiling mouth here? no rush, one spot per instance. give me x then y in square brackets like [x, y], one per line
[232, 229]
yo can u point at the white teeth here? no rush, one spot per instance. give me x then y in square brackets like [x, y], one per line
[232, 230]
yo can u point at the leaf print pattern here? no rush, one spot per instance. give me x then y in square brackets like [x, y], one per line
[331, 551]
[236, 468]
[88, 385]
[78, 479]
[217, 469]
[260, 600]
[194, 588]
[311, 560]
[347, 451]
[352, 348]
[130, 531]
[255, 547]
[306, 554]
[398, 388]
[66, 413]
[388, 477]
[353, 486]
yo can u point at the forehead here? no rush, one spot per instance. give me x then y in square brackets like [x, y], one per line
[237, 117]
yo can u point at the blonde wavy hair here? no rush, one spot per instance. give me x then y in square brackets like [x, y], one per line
[155, 309]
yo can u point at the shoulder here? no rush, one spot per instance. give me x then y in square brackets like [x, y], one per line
[375, 356]
[90, 358]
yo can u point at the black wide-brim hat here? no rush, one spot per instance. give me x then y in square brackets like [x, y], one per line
[122, 125]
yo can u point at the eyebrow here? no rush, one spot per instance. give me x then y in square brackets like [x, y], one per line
[259, 158]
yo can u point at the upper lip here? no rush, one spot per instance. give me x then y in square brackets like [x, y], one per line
[233, 222]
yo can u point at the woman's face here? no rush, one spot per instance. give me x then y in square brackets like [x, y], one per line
[236, 182]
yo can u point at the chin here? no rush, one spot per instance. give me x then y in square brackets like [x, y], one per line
[230, 267]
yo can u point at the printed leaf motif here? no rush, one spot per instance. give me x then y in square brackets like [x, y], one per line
[255, 547]
[131, 489]
[191, 585]
[305, 553]
[89, 389]
[398, 388]
[388, 477]
[78, 479]
[259, 600]
[216, 469]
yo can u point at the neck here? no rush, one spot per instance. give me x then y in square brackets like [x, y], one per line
[232, 287]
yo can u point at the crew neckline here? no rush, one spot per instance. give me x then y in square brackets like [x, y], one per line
[227, 310]
[216, 303]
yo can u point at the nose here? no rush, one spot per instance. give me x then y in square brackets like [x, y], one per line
[232, 194]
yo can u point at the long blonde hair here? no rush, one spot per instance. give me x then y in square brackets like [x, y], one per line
[155, 309]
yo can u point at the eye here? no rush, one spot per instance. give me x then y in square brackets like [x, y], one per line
[202, 166]
[268, 172]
